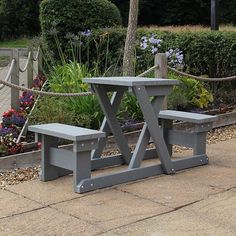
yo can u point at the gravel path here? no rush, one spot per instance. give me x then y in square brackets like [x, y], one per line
[20, 175]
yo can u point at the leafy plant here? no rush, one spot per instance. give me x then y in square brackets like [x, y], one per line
[190, 93]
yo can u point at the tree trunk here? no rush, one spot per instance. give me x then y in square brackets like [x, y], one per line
[128, 65]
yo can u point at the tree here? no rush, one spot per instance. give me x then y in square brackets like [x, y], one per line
[128, 67]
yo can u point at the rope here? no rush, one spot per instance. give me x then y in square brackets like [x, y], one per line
[149, 70]
[27, 63]
[8, 74]
[43, 92]
[37, 55]
[202, 78]
[5, 83]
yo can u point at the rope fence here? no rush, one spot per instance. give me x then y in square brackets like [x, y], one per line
[8, 76]
[6, 82]
[27, 63]
[199, 78]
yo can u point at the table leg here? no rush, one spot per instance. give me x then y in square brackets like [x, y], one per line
[115, 102]
[110, 114]
[153, 127]
[144, 138]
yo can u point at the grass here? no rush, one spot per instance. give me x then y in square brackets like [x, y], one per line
[15, 43]
[192, 28]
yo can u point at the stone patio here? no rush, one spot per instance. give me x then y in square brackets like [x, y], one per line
[198, 201]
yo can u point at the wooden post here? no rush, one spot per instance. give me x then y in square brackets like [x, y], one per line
[214, 14]
[162, 70]
[40, 62]
[30, 70]
[15, 104]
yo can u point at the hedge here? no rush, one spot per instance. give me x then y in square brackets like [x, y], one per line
[208, 53]
[19, 18]
[73, 16]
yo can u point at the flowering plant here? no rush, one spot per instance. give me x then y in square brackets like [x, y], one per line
[26, 100]
[8, 137]
[153, 44]
[175, 58]
[39, 81]
[12, 118]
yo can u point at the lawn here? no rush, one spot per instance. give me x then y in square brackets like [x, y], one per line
[15, 43]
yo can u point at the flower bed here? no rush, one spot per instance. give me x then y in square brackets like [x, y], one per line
[13, 121]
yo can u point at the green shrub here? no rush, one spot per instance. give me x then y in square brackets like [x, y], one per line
[189, 94]
[74, 16]
[19, 18]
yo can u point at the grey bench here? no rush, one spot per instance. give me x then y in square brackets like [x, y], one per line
[195, 139]
[59, 162]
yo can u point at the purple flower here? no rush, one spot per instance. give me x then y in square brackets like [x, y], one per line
[86, 33]
[143, 45]
[154, 50]
[175, 58]
[151, 43]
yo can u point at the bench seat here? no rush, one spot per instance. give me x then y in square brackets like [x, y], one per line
[195, 139]
[186, 116]
[57, 162]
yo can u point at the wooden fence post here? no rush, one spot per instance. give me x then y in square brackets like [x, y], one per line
[162, 70]
[40, 62]
[15, 104]
[30, 70]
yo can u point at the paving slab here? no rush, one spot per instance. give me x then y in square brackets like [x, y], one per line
[170, 191]
[210, 175]
[46, 221]
[47, 193]
[177, 223]
[223, 153]
[11, 204]
[112, 208]
[220, 209]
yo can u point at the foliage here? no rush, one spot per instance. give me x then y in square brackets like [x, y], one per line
[80, 111]
[19, 18]
[189, 94]
[130, 109]
[171, 12]
[74, 16]
[208, 53]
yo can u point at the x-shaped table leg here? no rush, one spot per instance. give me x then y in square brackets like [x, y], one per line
[151, 128]
[110, 122]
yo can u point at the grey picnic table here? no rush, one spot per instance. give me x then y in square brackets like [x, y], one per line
[150, 94]
[88, 144]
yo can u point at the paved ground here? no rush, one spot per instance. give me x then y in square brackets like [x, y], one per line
[198, 201]
[5, 93]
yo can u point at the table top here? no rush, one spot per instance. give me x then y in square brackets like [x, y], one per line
[130, 81]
